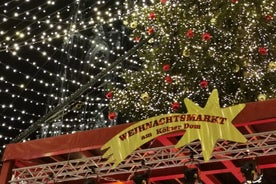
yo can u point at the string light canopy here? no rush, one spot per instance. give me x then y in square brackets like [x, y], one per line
[50, 49]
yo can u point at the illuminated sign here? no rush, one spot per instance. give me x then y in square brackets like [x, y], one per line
[207, 124]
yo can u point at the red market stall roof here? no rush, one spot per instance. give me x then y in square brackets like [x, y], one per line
[83, 151]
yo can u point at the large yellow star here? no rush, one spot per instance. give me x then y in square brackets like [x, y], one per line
[211, 131]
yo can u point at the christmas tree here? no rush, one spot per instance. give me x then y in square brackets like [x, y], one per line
[197, 46]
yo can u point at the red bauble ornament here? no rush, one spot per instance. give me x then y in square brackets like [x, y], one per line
[206, 36]
[234, 1]
[268, 17]
[190, 33]
[112, 115]
[166, 67]
[168, 79]
[262, 50]
[150, 30]
[163, 1]
[109, 95]
[175, 106]
[152, 15]
[137, 39]
[203, 84]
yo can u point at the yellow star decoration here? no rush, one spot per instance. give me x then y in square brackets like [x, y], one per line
[210, 132]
